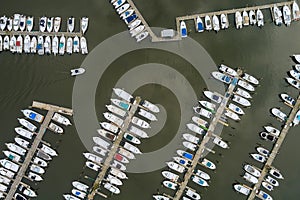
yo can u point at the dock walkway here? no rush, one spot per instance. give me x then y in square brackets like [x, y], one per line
[275, 150]
[114, 149]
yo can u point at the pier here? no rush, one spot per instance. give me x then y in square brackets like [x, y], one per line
[206, 138]
[114, 149]
[275, 149]
[21, 173]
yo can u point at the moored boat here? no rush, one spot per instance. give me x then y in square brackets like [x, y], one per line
[276, 173]
[94, 158]
[200, 26]
[238, 20]
[267, 136]
[27, 124]
[252, 170]
[33, 115]
[70, 197]
[134, 24]
[106, 134]
[242, 189]
[208, 164]
[216, 23]
[295, 11]
[236, 109]
[99, 141]
[37, 169]
[263, 151]
[123, 94]
[200, 122]
[170, 185]
[7, 173]
[258, 157]
[287, 15]
[191, 138]
[43, 23]
[224, 21]
[9, 165]
[131, 138]
[48, 150]
[61, 119]
[113, 118]
[293, 82]
[19, 44]
[40, 45]
[147, 115]
[118, 165]
[121, 158]
[55, 44]
[227, 70]
[189, 145]
[296, 120]
[277, 15]
[110, 127]
[118, 173]
[3, 22]
[15, 148]
[195, 128]
[213, 96]
[76, 44]
[240, 100]
[245, 18]
[78, 193]
[295, 74]
[43, 155]
[116, 110]
[84, 22]
[4, 180]
[57, 22]
[199, 181]
[137, 30]
[139, 122]
[267, 186]
[232, 115]
[203, 112]
[99, 150]
[194, 195]
[208, 24]
[111, 188]
[246, 85]
[220, 143]
[143, 35]
[176, 167]
[160, 197]
[222, 77]
[69, 46]
[121, 104]
[202, 174]
[62, 45]
[40, 162]
[12, 156]
[252, 17]
[150, 106]
[243, 93]
[27, 44]
[29, 23]
[132, 148]
[34, 176]
[288, 99]
[279, 114]
[55, 128]
[80, 186]
[77, 71]
[250, 79]
[92, 166]
[263, 195]
[260, 18]
[272, 130]
[50, 24]
[71, 24]
[138, 132]
[181, 161]
[183, 29]
[126, 153]
[169, 175]
[114, 180]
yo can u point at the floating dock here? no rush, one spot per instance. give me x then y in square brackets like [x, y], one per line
[275, 149]
[114, 149]
[21, 173]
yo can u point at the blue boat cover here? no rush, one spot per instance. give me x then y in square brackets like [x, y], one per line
[265, 196]
[187, 155]
[182, 162]
[183, 32]
[32, 115]
[131, 18]
[39, 46]
[234, 82]
[200, 26]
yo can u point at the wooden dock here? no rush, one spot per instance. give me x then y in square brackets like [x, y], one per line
[275, 149]
[114, 149]
[45, 106]
[21, 173]
[206, 138]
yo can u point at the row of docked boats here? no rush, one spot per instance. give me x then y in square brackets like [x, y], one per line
[136, 28]
[20, 22]
[42, 45]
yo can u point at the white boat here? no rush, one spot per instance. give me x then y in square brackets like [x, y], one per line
[220, 143]
[216, 23]
[43, 155]
[295, 74]
[69, 47]
[50, 24]
[106, 134]
[121, 158]
[250, 79]
[37, 169]
[191, 138]
[246, 20]
[252, 17]
[34, 176]
[160, 197]
[16, 22]
[4, 180]
[43, 23]
[123, 94]
[242, 189]
[246, 85]
[9, 165]
[49, 150]
[16, 149]
[137, 30]
[23, 132]
[55, 128]
[183, 30]
[61, 119]
[200, 25]
[252, 170]
[80, 186]
[189, 145]
[227, 70]
[132, 148]
[147, 115]
[9, 24]
[279, 114]
[84, 23]
[195, 128]
[295, 11]
[170, 185]
[296, 120]
[293, 82]
[92, 166]
[3, 188]
[258, 157]
[6, 173]
[62, 45]
[12, 44]
[27, 44]
[77, 71]
[3, 22]
[208, 164]
[222, 77]
[267, 136]
[113, 118]
[132, 138]
[99, 150]
[170, 175]
[12, 156]
[260, 18]
[126, 153]
[203, 112]
[121, 104]
[150, 106]
[27, 124]
[40, 162]
[139, 122]
[208, 24]
[112, 188]
[76, 47]
[267, 186]
[116, 110]
[57, 22]
[138, 132]
[33, 45]
[202, 174]
[134, 24]
[126, 14]
[272, 181]
[19, 44]
[288, 99]
[29, 23]
[40, 45]
[110, 127]
[263, 151]
[277, 15]
[193, 194]
[199, 181]
[1, 44]
[71, 24]
[70, 197]
[236, 109]
[287, 15]
[240, 100]
[185, 154]
[141, 36]
[94, 158]
[272, 130]
[78, 193]
[176, 167]
[83, 45]
[275, 172]
[243, 93]
[238, 20]
[200, 122]
[182, 161]
[6, 43]
[232, 115]
[114, 180]
[118, 165]
[224, 21]
[118, 173]
[99, 141]
[55, 44]
[213, 96]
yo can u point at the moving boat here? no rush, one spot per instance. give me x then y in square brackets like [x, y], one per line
[195, 128]
[15, 148]
[260, 18]
[250, 79]
[57, 22]
[76, 46]
[92, 166]
[138, 132]
[252, 170]
[252, 17]
[200, 26]
[181, 161]
[110, 127]
[200, 122]
[267, 185]
[147, 115]
[150, 106]
[293, 82]
[287, 15]
[139, 122]
[78, 193]
[55, 128]
[37, 169]
[80, 186]
[170, 185]
[34, 176]
[61, 119]
[263, 151]
[62, 45]
[222, 77]
[43, 23]
[27, 124]
[295, 11]
[49, 150]
[288, 99]
[203, 112]
[267, 136]
[113, 118]
[183, 29]
[114, 180]
[99, 141]
[121, 104]
[118, 173]
[132, 148]
[131, 138]
[40, 162]
[191, 138]
[121, 158]
[236, 109]
[160, 197]
[277, 15]
[275, 172]
[213, 96]
[6, 173]
[296, 120]
[258, 157]
[227, 70]
[55, 44]
[69, 47]
[202, 174]
[123, 94]
[9, 165]
[189, 145]
[94, 158]
[208, 164]
[70, 197]
[295, 74]
[238, 20]
[232, 115]
[126, 153]
[250, 178]
[208, 25]
[216, 23]
[112, 188]
[279, 114]
[99, 150]
[50, 24]
[71, 24]
[185, 154]
[272, 130]
[116, 110]
[220, 143]
[169, 175]
[272, 181]
[199, 181]
[240, 100]
[242, 189]
[224, 21]
[246, 85]
[106, 134]
[77, 71]
[245, 18]
[176, 167]
[243, 93]
[12, 156]
[33, 115]
[193, 194]
[84, 23]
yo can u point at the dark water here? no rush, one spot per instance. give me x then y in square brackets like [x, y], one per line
[262, 52]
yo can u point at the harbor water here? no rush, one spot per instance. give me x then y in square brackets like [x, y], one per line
[263, 52]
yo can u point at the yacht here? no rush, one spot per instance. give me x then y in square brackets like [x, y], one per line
[121, 104]
[49, 150]
[123, 94]
[57, 22]
[15, 148]
[77, 71]
[208, 164]
[220, 143]
[252, 17]
[61, 119]
[199, 181]
[260, 18]
[138, 132]
[99, 141]
[78, 193]
[248, 177]
[189, 145]
[287, 15]
[191, 138]
[258, 157]
[216, 23]
[27, 44]
[132, 148]
[55, 128]
[227, 70]
[224, 21]
[126, 153]
[182, 161]
[200, 122]
[37, 169]
[110, 127]
[222, 77]
[243, 93]
[69, 46]
[33, 45]
[252, 170]
[113, 118]
[195, 128]
[267, 136]
[34, 177]
[243, 189]
[213, 96]
[246, 19]
[62, 45]
[240, 100]
[171, 176]
[202, 174]
[295, 11]
[40, 162]
[71, 24]
[99, 150]
[232, 115]
[236, 109]
[27, 124]
[208, 24]
[50, 24]
[193, 194]
[176, 167]
[263, 151]
[170, 185]
[275, 172]
[183, 29]
[107, 135]
[238, 20]
[33, 115]
[76, 47]
[12, 156]
[150, 106]
[9, 165]
[277, 15]
[92, 166]
[114, 180]
[288, 99]
[272, 130]
[293, 82]
[84, 23]
[250, 79]
[185, 154]
[43, 23]
[121, 158]
[200, 25]
[246, 85]
[6, 173]
[295, 74]
[279, 114]
[139, 122]
[132, 138]
[118, 173]
[93, 158]
[116, 110]
[147, 115]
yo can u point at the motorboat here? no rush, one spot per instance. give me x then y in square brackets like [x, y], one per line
[107, 135]
[252, 170]
[134, 24]
[43, 155]
[240, 100]
[71, 24]
[34, 176]
[199, 181]
[40, 45]
[185, 154]
[246, 85]
[55, 128]
[33, 45]
[183, 29]
[57, 22]
[258, 157]
[200, 122]
[267, 136]
[77, 71]
[3, 188]
[243, 93]
[29, 23]
[279, 114]
[121, 158]
[92, 166]
[114, 180]
[94, 158]
[132, 138]
[15, 148]
[176, 167]
[182, 161]
[189, 145]
[295, 11]
[118, 173]
[236, 109]
[232, 115]
[126, 153]
[1, 44]
[293, 82]
[69, 47]
[208, 164]
[27, 44]
[272, 130]
[287, 15]
[113, 189]
[288, 99]
[160, 197]
[27, 124]
[123, 94]
[139, 122]
[80, 186]
[220, 143]
[99, 150]
[227, 70]
[213, 96]
[170, 185]
[110, 127]
[118, 165]
[9, 165]
[296, 120]
[224, 21]
[121, 104]
[295, 74]
[170, 175]
[37, 169]
[12, 156]
[127, 14]
[263, 151]
[141, 36]
[3, 22]
[27, 191]
[62, 45]
[272, 181]
[33, 115]
[19, 44]
[267, 186]
[43, 23]
[16, 22]
[9, 24]
[99, 141]
[195, 128]
[216, 23]
[208, 24]
[147, 115]
[7, 173]
[48, 150]
[78, 193]
[238, 20]
[22, 22]
[70, 197]
[200, 25]
[84, 23]
[138, 132]
[61, 119]
[113, 118]
[260, 18]
[6, 42]
[150, 106]
[4, 180]
[248, 177]
[130, 18]
[242, 189]
[246, 20]
[116, 110]
[191, 138]
[277, 15]
[194, 195]
[275, 172]
[19, 197]
[12, 44]
[131, 148]
[55, 44]
[252, 17]
[202, 174]
[203, 112]
[50, 24]
[250, 79]
[222, 77]
[137, 30]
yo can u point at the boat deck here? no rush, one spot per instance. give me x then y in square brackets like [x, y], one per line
[114, 149]
[275, 149]
[21, 173]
